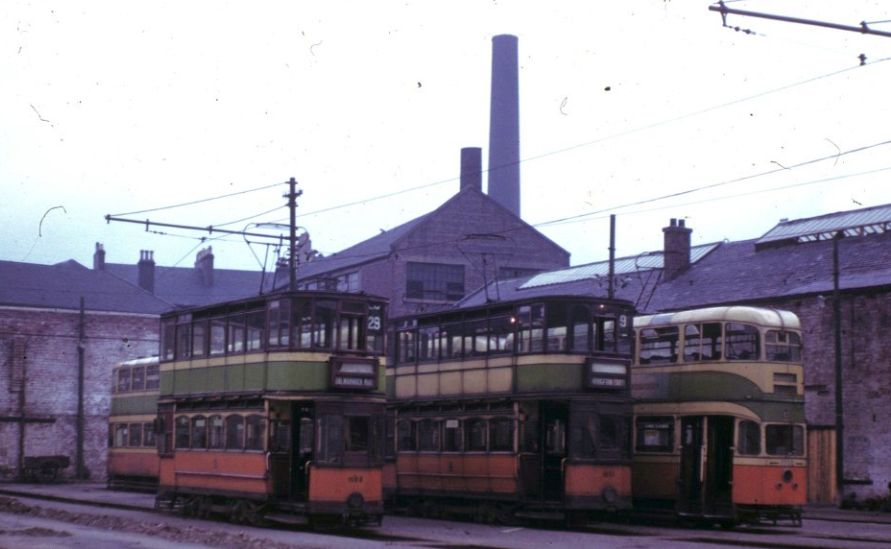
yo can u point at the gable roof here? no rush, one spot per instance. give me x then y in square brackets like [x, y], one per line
[61, 286]
[381, 245]
[182, 286]
[726, 272]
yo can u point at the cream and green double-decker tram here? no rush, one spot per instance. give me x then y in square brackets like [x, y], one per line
[719, 423]
[517, 408]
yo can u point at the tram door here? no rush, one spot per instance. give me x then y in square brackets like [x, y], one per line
[554, 419]
[302, 437]
[704, 483]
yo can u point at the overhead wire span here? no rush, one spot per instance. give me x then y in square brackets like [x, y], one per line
[200, 200]
[606, 137]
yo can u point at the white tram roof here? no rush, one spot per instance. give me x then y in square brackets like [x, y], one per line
[142, 361]
[734, 313]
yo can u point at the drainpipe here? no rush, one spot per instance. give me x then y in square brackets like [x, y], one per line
[79, 456]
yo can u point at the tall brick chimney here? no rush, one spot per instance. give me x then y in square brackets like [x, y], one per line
[99, 257]
[504, 124]
[146, 266]
[676, 253]
[472, 168]
[204, 266]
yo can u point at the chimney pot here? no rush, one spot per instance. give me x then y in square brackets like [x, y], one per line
[99, 257]
[204, 265]
[146, 273]
[676, 251]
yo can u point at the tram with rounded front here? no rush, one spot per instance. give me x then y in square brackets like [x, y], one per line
[272, 408]
[719, 422]
[132, 456]
[512, 410]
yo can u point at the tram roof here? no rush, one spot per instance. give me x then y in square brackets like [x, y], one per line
[263, 298]
[761, 316]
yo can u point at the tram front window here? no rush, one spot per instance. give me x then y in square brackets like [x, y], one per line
[784, 440]
[358, 433]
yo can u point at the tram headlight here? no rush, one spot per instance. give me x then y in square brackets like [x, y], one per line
[609, 495]
[787, 475]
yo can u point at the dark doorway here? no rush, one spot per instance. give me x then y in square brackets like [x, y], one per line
[303, 437]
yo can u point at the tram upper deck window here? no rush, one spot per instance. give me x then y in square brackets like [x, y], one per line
[217, 336]
[199, 338]
[655, 434]
[741, 342]
[428, 343]
[301, 323]
[556, 322]
[168, 338]
[702, 342]
[152, 377]
[530, 328]
[659, 345]
[184, 338]
[123, 383]
[784, 440]
[501, 334]
[279, 313]
[350, 332]
[451, 340]
[137, 378]
[235, 335]
[476, 338]
[323, 324]
[407, 346]
[782, 346]
[580, 328]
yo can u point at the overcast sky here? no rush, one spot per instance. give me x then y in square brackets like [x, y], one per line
[116, 107]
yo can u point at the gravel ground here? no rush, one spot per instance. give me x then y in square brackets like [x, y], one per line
[154, 528]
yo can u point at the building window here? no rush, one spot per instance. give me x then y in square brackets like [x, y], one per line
[434, 281]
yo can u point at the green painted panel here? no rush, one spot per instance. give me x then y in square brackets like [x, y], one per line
[166, 383]
[255, 376]
[298, 376]
[216, 380]
[782, 412]
[391, 387]
[132, 405]
[549, 377]
[234, 377]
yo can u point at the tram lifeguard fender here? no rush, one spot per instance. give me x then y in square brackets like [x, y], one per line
[337, 484]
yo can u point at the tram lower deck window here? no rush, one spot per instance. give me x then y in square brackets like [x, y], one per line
[655, 434]
[784, 440]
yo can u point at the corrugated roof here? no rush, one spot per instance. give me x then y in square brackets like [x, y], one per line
[854, 223]
[642, 262]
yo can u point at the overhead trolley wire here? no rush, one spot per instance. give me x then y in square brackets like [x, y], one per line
[200, 201]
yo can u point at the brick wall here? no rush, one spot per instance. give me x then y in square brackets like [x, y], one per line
[41, 347]
[866, 379]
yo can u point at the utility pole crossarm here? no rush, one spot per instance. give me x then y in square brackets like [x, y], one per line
[210, 228]
[862, 28]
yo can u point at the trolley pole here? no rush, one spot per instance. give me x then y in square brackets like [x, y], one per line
[839, 402]
[612, 256]
[293, 193]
